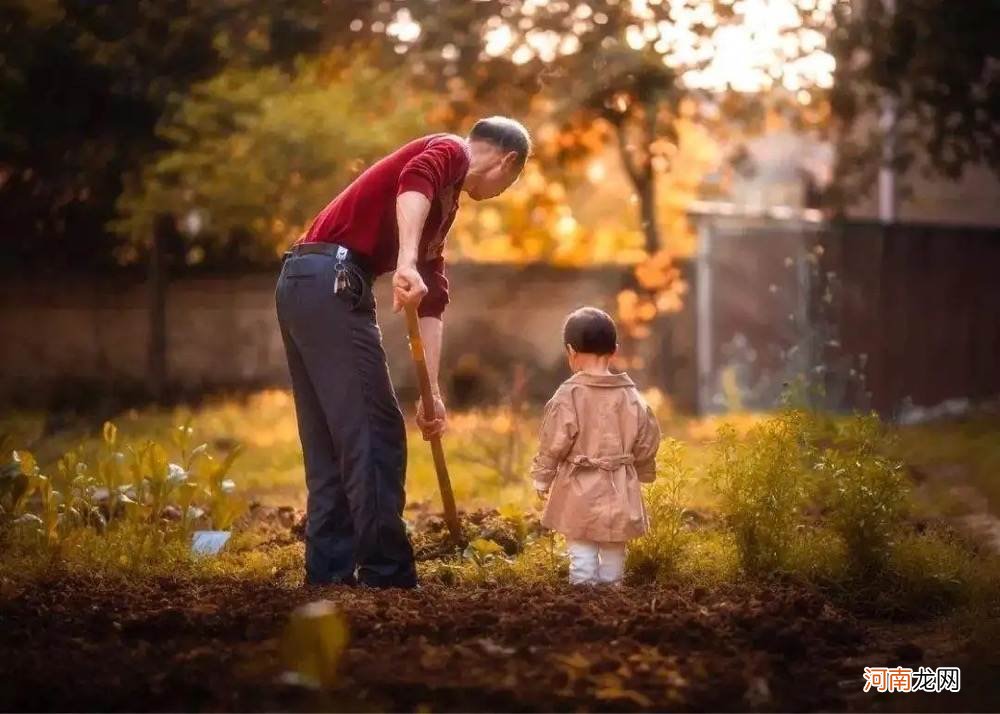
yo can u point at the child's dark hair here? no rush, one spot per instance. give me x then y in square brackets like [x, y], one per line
[591, 331]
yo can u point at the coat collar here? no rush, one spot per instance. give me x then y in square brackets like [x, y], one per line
[598, 380]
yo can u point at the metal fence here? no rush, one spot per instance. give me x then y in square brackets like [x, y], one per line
[875, 316]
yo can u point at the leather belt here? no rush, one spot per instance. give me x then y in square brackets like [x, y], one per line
[334, 250]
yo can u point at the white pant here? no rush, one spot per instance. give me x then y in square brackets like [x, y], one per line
[591, 562]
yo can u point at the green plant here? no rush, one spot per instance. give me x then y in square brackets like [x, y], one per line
[116, 489]
[225, 505]
[656, 554]
[15, 484]
[863, 490]
[761, 484]
[925, 574]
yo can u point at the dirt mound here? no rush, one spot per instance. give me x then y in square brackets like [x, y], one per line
[282, 525]
[431, 539]
[428, 531]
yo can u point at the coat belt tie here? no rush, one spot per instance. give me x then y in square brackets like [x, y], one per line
[604, 463]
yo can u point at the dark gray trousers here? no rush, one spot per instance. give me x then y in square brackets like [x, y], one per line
[352, 431]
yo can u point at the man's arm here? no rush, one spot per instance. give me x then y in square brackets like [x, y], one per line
[408, 287]
[431, 331]
[417, 275]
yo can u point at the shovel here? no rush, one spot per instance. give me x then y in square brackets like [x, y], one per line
[427, 399]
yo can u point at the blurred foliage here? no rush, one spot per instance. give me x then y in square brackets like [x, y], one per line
[123, 105]
[313, 643]
[610, 73]
[84, 86]
[257, 153]
[501, 444]
[940, 65]
[580, 212]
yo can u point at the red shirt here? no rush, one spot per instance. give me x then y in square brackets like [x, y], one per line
[363, 217]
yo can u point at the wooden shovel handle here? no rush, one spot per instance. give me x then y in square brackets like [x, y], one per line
[427, 399]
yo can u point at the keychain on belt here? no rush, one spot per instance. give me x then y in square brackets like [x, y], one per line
[340, 281]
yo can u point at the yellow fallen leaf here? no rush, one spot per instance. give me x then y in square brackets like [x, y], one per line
[615, 693]
[313, 643]
[575, 660]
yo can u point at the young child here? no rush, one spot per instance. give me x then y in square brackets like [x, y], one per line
[598, 442]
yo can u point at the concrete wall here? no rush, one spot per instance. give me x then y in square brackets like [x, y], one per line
[222, 331]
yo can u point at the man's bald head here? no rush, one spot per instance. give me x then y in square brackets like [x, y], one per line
[500, 146]
[506, 134]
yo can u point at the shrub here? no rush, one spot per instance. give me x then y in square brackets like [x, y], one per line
[709, 557]
[925, 574]
[761, 484]
[656, 555]
[863, 491]
[817, 554]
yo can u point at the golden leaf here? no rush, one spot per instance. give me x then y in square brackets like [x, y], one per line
[485, 546]
[312, 644]
[618, 693]
[110, 433]
[573, 661]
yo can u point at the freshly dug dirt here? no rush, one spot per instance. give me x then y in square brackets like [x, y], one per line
[176, 645]
[431, 539]
[181, 644]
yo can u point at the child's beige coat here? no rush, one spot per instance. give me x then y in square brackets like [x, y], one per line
[598, 442]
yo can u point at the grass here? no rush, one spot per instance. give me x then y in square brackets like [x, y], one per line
[796, 495]
[269, 468]
[966, 450]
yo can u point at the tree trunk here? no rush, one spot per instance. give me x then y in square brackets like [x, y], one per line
[647, 212]
[643, 180]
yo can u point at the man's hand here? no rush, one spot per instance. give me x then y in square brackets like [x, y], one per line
[408, 288]
[437, 425]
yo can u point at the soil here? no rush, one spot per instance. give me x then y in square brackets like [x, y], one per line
[85, 644]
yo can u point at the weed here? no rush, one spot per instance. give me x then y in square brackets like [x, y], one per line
[864, 491]
[761, 486]
[655, 556]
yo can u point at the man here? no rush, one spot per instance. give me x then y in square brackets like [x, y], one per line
[394, 217]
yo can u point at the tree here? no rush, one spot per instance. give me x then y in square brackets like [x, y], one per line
[80, 99]
[941, 63]
[256, 153]
[85, 84]
[628, 67]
